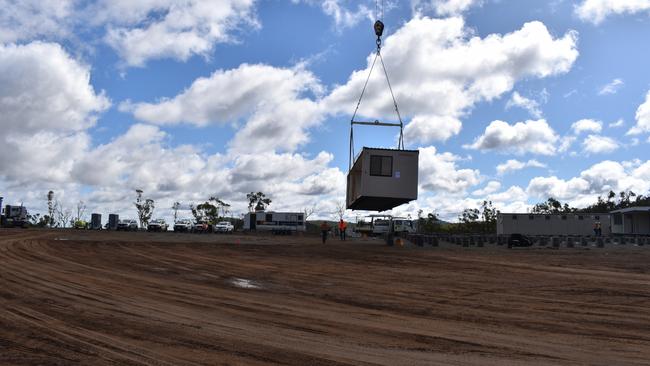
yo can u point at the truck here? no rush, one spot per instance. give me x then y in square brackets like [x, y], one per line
[183, 225]
[128, 225]
[14, 216]
[275, 222]
[157, 225]
[223, 227]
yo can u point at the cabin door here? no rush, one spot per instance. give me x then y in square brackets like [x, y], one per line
[253, 221]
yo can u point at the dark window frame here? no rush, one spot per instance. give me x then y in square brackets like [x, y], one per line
[383, 159]
[514, 217]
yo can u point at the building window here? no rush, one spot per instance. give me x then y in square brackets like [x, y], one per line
[580, 217]
[547, 217]
[531, 217]
[514, 217]
[269, 217]
[597, 217]
[381, 166]
[618, 219]
[563, 217]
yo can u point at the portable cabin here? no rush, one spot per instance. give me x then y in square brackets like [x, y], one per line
[276, 222]
[113, 220]
[552, 224]
[381, 179]
[631, 221]
[96, 221]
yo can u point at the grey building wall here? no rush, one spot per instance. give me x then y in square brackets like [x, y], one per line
[553, 224]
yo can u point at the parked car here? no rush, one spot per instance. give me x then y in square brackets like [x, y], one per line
[157, 225]
[224, 227]
[518, 240]
[183, 225]
[202, 227]
[128, 225]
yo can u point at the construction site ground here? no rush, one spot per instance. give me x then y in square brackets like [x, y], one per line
[106, 298]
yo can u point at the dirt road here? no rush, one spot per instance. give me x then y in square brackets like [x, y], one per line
[169, 299]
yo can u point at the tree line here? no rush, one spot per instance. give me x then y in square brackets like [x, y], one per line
[484, 218]
[211, 211]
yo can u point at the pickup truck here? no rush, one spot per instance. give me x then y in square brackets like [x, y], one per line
[157, 225]
[183, 225]
[224, 227]
[127, 225]
[201, 227]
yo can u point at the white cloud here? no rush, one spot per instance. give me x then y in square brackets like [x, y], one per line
[491, 187]
[439, 172]
[611, 88]
[532, 106]
[29, 19]
[595, 144]
[597, 180]
[343, 17]
[642, 118]
[513, 194]
[595, 11]
[46, 104]
[619, 123]
[535, 137]
[139, 34]
[587, 125]
[514, 165]
[439, 70]
[269, 100]
[444, 7]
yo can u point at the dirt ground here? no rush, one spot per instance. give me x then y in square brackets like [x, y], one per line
[98, 298]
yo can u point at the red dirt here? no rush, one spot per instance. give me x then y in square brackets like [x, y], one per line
[102, 298]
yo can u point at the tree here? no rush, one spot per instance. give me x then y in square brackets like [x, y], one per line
[340, 210]
[308, 211]
[176, 206]
[81, 210]
[145, 208]
[205, 211]
[489, 216]
[62, 215]
[257, 201]
[50, 208]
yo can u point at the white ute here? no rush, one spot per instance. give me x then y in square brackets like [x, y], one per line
[224, 227]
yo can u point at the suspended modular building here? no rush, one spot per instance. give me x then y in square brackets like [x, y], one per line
[381, 179]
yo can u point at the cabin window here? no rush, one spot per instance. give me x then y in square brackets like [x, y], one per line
[381, 166]
[580, 217]
[514, 217]
[563, 217]
[597, 217]
[269, 217]
[547, 217]
[531, 217]
[618, 219]
[299, 217]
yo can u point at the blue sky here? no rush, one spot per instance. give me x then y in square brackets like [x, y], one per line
[509, 101]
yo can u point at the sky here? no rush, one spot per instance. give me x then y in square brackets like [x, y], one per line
[508, 101]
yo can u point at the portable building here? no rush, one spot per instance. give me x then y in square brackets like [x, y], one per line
[552, 224]
[382, 179]
[96, 221]
[631, 221]
[113, 220]
[284, 222]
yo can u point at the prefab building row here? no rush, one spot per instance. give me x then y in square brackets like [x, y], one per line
[552, 224]
[275, 221]
[631, 221]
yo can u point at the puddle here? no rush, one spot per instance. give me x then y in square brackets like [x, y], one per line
[244, 283]
[61, 239]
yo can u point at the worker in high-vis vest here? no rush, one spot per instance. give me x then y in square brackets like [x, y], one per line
[342, 227]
